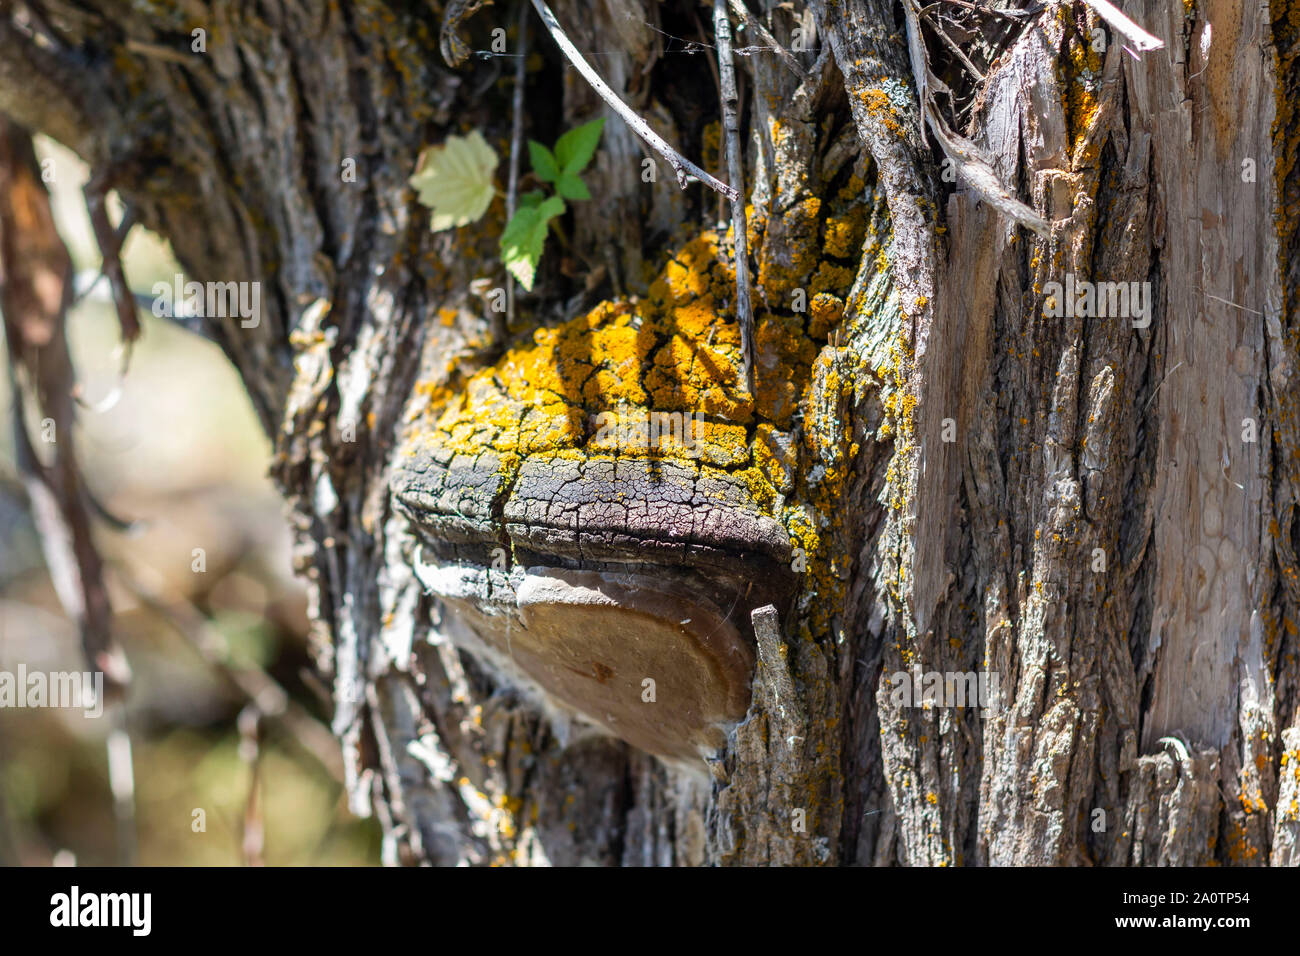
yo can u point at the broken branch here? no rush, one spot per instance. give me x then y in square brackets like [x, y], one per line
[973, 168]
[753, 23]
[740, 245]
[682, 166]
[516, 148]
[1115, 17]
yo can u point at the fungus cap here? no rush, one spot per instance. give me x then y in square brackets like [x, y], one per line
[666, 670]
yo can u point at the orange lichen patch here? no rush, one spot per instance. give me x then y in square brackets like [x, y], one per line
[657, 377]
[634, 430]
[818, 528]
[688, 273]
[777, 132]
[899, 405]
[1082, 79]
[854, 188]
[879, 105]
[784, 265]
[844, 234]
[831, 278]
[824, 313]
[786, 355]
[1289, 766]
[776, 458]
[799, 524]
[1240, 849]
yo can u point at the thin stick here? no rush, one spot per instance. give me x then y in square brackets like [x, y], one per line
[271, 699]
[752, 22]
[1244, 308]
[938, 28]
[1016, 15]
[1115, 17]
[1157, 388]
[681, 165]
[516, 147]
[121, 783]
[158, 51]
[110, 242]
[252, 843]
[717, 82]
[731, 124]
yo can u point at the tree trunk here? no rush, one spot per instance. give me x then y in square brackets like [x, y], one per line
[957, 459]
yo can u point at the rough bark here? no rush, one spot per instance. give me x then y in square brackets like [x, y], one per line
[931, 475]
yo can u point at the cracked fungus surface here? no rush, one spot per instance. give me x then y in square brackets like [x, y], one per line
[577, 400]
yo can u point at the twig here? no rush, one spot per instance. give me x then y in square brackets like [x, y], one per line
[1244, 308]
[160, 52]
[682, 166]
[36, 264]
[253, 839]
[271, 699]
[957, 51]
[109, 241]
[731, 124]
[753, 23]
[84, 286]
[1017, 15]
[712, 62]
[121, 782]
[1158, 387]
[1115, 17]
[516, 147]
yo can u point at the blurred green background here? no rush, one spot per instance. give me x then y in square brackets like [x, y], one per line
[180, 453]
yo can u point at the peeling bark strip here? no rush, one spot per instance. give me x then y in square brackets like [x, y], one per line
[937, 470]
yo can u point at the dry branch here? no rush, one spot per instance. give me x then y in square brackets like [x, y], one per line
[681, 165]
[753, 23]
[731, 126]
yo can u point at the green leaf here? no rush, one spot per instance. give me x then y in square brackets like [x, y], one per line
[455, 180]
[571, 187]
[551, 208]
[531, 199]
[573, 150]
[525, 235]
[543, 162]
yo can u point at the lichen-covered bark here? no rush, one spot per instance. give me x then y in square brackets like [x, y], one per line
[932, 474]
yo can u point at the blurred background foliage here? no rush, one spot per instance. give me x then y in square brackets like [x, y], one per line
[182, 456]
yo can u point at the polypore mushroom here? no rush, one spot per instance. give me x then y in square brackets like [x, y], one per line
[610, 569]
[629, 596]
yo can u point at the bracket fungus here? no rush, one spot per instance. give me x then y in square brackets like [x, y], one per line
[628, 595]
[617, 580]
